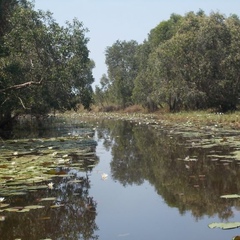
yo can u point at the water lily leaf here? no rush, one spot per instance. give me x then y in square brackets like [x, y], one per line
[36, 187]
[91, 166]
[34, 207]
[11, 209]
[224, 226]
[230, 196]
[48, 199]
[57, 206]
[2, 205]
[24, 210]
[236, 238]
[18, 193]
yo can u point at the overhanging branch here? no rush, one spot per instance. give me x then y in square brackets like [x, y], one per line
[20, 86]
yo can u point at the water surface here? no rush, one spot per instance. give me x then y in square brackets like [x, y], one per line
[162, 183]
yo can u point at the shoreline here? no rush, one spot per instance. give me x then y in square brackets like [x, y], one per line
[197, 119]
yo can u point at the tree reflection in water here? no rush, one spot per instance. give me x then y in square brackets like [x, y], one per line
[72, 214]
[139, 153]
[73, 219]
[144, 153]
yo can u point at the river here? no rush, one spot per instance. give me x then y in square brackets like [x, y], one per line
[135, 181]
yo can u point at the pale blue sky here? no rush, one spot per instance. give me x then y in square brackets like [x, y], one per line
[111, 20]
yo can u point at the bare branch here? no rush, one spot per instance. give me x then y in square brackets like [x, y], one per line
[22, 103]
[20, 86]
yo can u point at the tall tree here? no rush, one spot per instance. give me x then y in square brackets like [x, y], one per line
[47, 66]
[164, 31]
[122, 70]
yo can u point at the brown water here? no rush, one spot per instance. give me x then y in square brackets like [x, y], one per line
[161, 184]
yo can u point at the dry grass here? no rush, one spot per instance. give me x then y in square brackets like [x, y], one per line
[196, 118]
[135, 109]
[228, 120]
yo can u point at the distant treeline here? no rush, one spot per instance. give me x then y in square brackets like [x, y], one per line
[186, 63]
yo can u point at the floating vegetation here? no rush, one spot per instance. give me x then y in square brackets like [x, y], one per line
[104, 176]
[225, 226]
[231, 196]
[57, 206]
[29, 165]
[48, 199]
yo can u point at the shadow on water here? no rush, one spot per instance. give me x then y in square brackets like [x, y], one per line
[189, 171]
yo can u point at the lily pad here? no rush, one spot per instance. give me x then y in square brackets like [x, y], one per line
[24, 210]
[11, 209]
[34, 207]
[48, 199]
[231, 196]
[18, 193]
[2, 205]
[57, 206]
[236, 238]
[225, 226]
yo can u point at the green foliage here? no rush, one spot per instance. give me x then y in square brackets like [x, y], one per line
[45, 66]
[103, 94]
[164, 31]
[188, 62]
[122, 70]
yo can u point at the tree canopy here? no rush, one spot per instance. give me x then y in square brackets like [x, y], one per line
[43, 66]
[187, 62]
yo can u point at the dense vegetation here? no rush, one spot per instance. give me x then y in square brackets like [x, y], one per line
[187, 62]
[43, 66]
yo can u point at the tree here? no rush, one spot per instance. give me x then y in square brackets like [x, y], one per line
[103, 93]
[143, 92]
[122, 70]
[190, 68]
[174, 67]
[188, 62]
[164, 31]
[46, 67]
[214, 40]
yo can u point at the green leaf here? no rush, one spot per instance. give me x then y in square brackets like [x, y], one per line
[48, 199]
[225, 226]
[231, 196]
[34, 207]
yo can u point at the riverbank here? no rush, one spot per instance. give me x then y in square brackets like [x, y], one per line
[196, 119]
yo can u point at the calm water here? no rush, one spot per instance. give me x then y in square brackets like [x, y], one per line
[150, 191]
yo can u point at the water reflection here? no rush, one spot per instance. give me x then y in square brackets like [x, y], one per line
[182, 173]
[71, 217]
[72, 213]
[143, 153]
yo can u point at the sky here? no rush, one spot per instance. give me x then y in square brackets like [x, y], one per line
[112, 20]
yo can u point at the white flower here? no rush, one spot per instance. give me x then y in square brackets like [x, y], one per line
[104, 176]
[50, 185]
[2, 199]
